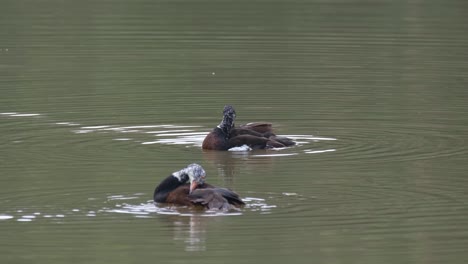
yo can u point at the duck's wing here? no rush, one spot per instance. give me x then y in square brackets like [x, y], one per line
[249, 140]
[216, 198]
[263, 129]
[179, 196]
[231, 196]
[259, 127]
[287, 142]
[209, 199]
[237, 131]
[255, 142]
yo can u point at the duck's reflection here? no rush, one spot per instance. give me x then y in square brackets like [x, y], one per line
[190, 225]
[232, 163]
[191, 230]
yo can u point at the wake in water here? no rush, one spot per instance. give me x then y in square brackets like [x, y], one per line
[122, 205]
[173, 134]
[150, 208]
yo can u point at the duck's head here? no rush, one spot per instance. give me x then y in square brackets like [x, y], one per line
[229, 111]
[193, 173]
[229, 115]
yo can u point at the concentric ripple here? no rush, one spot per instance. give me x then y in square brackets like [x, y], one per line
[397, 142]
[394, 142]
[120, 204]
[170, 134]
[149, 208]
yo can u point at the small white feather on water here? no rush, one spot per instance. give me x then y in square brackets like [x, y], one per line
[241, 148]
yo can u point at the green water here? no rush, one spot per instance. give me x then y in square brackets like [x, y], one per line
[100, 100]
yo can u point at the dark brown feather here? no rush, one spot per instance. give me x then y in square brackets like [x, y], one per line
[249, 140]
[216, 198]
[256, 135]
[205, 195]
[259, 127]
[215, 140]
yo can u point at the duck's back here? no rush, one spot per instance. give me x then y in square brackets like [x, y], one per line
[259, 127]
[180, 195]
[216, 198]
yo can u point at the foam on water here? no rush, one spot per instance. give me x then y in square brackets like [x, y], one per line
[14, 114]
[172, 134]
[119, 204]
[6, 217]
[275, 155]
[310, 151]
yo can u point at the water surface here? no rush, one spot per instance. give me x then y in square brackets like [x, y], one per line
[101, 100]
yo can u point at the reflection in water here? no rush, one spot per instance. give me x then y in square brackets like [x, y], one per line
[190, 225]
[191, 230]
[229, 164]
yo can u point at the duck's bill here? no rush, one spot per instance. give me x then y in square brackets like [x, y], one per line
[193, 186]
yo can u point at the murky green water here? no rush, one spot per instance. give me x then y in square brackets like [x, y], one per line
[102, 99]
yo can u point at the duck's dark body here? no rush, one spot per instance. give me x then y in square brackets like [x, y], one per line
[216, 140]
[259, 127]
[258, 135]
[172, 191]
[216, 198]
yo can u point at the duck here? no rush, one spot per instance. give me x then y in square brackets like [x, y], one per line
[187, 187]
[256, 135]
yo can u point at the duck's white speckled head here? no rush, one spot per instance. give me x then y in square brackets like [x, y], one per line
[193, 173]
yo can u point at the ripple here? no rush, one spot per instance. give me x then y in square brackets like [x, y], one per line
[121, 197]
[149, 207]
[310, 151]
[106, 136]
[29, 216]
[14, 114]
[6, 217]
[275, 155]
[24, 220]
[182, 134]
[118, 205]
[398, 143]
[175, 134]
[171, 134]
[67, 123]
[168, 131]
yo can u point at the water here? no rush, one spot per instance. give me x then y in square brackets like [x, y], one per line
[100, 100]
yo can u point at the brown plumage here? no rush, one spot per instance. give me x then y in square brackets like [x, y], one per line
[180, 195]
[187, 187]
[258, 135]
[216, 198]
